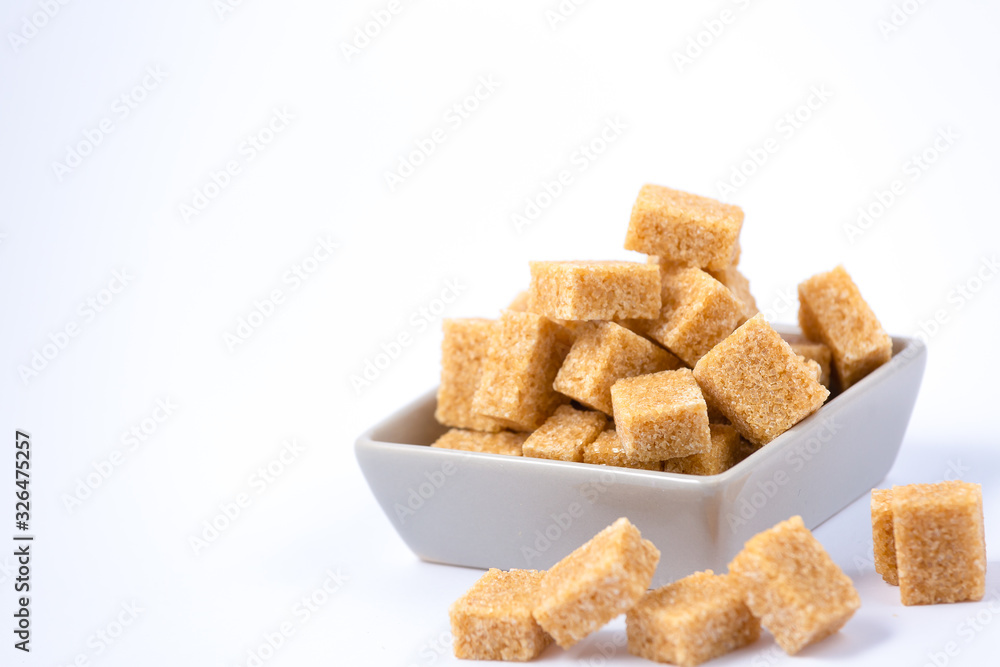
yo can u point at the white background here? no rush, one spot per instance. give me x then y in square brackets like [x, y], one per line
[192, 278]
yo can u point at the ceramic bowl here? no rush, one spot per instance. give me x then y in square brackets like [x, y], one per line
[489, 510]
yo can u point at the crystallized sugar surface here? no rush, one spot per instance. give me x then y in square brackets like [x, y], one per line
[697, 313]
[793, 586]
[882, 539]
[602, 356]
[939, 542]
[607, 450]
[661, 416]
[493, 620]
[819, 353]
[832, 311]
[722, 454]
[597, 582]
[504, 442]
[463, 355]
[740, 287]
[684, 228]
[589, 290]
[525, 353]
[757, 381]
[692, 620]
[564, 435]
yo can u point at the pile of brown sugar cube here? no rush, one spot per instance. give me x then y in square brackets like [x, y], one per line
[782, 580]
[659, 365]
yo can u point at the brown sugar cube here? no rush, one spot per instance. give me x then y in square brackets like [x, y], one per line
[793, 586]
[683, 228]
[757, 381]
[564, 435]
[733, 263]
[607, 450]
[520, 302]
[698, 312]
[504, 442]
[661, 416]
[635, 325]
[883, 543]
[721, 455]
[525, 353]
[602, 356]
[831, 311]
[577, 328]
[813, 367]
[740, 287]
[463, 354]
[600, 580]
[819, 353]
[938, 535]
[493, 620]
[691, 621]
[594, 290]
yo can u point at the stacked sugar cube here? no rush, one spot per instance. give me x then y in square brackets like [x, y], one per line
[663, 364]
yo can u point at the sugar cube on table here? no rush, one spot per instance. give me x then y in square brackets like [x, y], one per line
[595, 583]
[939, 542]
[883, 542]
[493, 620]
[691, 621]
[793, 586]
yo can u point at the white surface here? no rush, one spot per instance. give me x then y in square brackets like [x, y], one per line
[191, 282]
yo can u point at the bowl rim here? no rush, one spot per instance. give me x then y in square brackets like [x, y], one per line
[906, 351]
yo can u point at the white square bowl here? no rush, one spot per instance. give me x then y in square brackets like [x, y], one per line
[488, 510]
